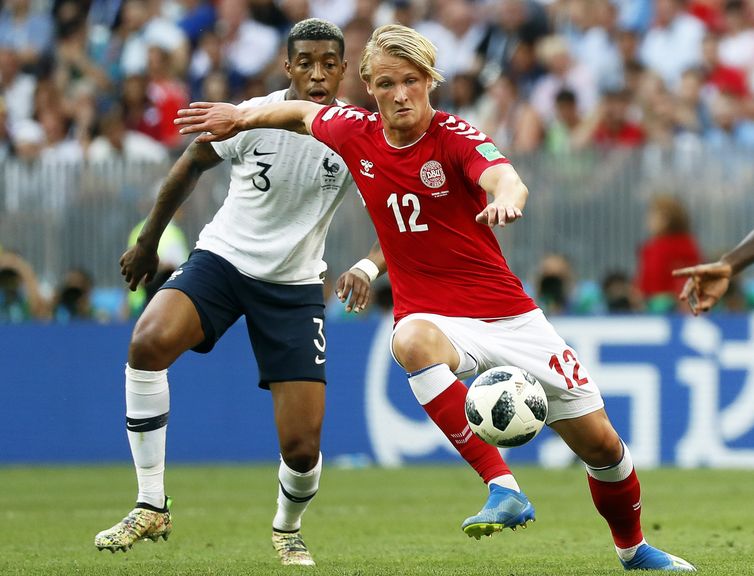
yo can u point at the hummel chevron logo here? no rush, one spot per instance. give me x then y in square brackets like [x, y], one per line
[463, 436]
[258, 153]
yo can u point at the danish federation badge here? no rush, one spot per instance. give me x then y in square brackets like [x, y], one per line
[432, 175]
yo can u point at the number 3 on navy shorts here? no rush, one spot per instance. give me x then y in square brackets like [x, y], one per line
[319, 342]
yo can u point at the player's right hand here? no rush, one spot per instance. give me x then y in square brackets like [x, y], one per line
[354, 283]
[706, 284]
[137, 263]
[213, 121]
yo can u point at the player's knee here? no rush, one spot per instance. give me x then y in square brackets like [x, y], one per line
[605, 449]
[300, 452]
[150, 349]
[419, 344]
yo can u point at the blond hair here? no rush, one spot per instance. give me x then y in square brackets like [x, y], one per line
[400, 42]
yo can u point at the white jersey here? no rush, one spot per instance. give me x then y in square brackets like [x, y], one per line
[284, 190]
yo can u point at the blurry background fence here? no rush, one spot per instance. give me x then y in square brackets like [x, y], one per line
[589, 206]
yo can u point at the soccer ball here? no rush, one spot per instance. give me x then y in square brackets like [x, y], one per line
[506, 406]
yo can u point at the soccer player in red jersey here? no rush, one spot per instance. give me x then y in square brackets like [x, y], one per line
[425, 177]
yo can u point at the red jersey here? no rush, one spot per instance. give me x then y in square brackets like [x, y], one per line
[658, 258]
[423, 199]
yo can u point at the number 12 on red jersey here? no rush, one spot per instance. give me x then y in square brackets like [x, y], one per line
[413, 201]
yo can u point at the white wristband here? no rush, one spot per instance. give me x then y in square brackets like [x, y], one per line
[367, 267]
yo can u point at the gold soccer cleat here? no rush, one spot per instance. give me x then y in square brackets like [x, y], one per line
[140, 524]
[291, 549]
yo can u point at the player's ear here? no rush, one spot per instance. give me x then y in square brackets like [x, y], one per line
[287, 67]
[369, 88]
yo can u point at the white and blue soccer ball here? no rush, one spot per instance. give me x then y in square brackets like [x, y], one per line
[506, 406]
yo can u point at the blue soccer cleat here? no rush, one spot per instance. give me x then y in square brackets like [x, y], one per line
[505, 508]
[649, 558]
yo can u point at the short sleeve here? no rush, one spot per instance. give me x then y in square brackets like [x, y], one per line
[335, 125]
[473, 149]
[230, 148]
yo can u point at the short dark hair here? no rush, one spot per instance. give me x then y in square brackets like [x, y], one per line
[315, 29]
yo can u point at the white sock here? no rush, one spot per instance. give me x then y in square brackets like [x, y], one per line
[147, 408]
[428, 383]
[506, 481]
[295, 491]
[627, 554]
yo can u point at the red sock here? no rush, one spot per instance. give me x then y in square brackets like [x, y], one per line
[447, 411]
[620, 504]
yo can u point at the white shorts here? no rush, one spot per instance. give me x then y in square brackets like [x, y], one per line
[528, 341]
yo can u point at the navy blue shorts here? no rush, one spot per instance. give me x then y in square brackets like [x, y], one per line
[286, 323]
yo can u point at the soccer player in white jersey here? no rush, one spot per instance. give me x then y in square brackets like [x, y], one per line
[425, 177]
[260, 257]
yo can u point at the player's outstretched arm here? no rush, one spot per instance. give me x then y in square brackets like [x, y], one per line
[217, 121]
[707, 283]
[140, 260]
[357, 281]
[509, 195]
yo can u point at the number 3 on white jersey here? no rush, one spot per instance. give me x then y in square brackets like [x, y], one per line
[413, 200]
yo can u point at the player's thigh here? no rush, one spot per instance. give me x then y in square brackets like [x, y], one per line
[420, 342]
[530, 342]
[450, 339]
[172, 317]
[286, 325]
[210, 284]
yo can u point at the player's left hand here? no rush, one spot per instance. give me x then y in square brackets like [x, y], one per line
[494, 215]
[214, 121]
[354, 283]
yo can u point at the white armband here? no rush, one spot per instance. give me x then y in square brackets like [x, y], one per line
[367, 267]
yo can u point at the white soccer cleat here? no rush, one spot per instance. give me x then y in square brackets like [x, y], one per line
[291, 548]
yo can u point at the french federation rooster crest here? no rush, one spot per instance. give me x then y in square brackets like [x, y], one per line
[331, 169]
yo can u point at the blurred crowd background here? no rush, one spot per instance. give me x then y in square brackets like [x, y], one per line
[631, 121]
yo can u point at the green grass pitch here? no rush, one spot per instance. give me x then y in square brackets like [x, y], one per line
[364, 522]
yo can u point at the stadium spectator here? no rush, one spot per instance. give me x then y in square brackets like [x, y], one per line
[73, 298]
[16, 87]
[591, 31]
[562, 135]
[719, 76]
[167, 94]
[562, 72]
[198, 16]
[674, 42]
[252, 260]
[706, 284]
[462, 97]
[145, 27]
[115, 141]
[20, 296]
[736, 48]
[248, 46]
[6, 144]
[693, 115]
[477, 315]
[730, 130]
[455, 27]
[610, 126]
[670, 245]
[509, 23]
[554, 283]
[619, 294]
[635, 14]
[509, 119]
[26, 31]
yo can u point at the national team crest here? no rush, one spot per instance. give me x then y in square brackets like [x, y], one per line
[432, 175]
